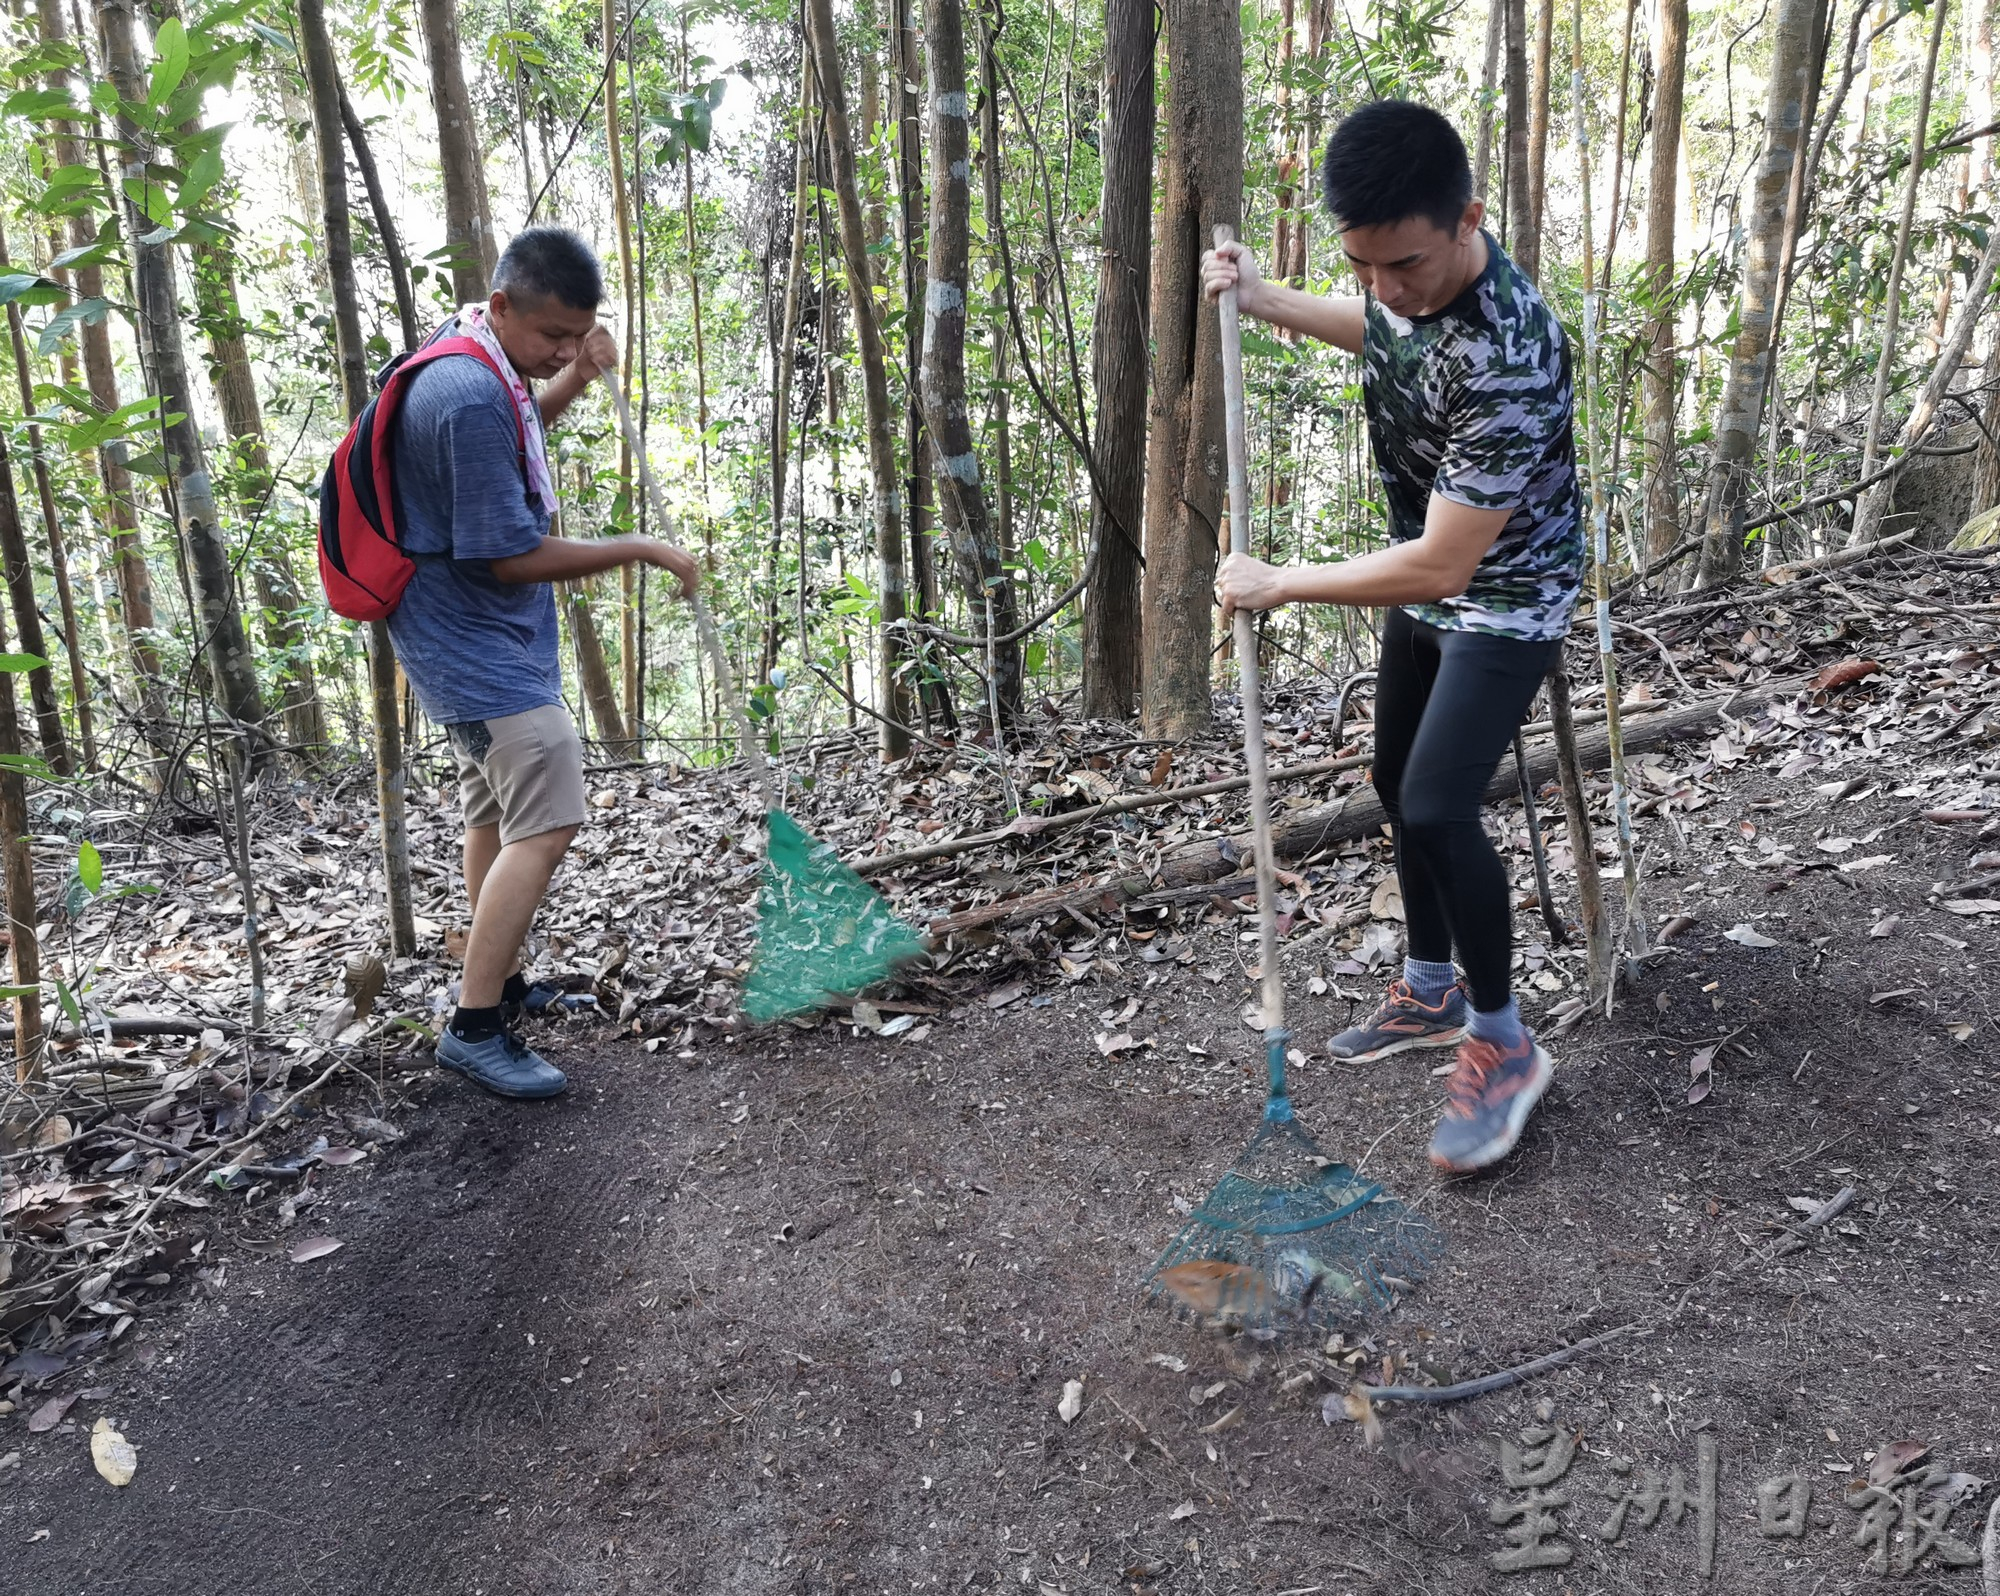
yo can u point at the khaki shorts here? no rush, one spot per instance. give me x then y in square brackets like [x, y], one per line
[523, 772]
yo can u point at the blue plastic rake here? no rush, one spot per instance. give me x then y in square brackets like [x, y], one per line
[1301, 1239]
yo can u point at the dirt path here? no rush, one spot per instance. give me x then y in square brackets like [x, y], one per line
[795, 1314]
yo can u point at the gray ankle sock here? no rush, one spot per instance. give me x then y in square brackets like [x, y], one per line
[1428, 983]
[1501, 1027]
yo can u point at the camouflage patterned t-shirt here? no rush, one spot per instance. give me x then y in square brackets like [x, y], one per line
[1474, 403]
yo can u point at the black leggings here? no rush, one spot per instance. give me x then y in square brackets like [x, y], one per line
[1447, 705]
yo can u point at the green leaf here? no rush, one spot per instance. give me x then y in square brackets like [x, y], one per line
[90, 865]
[150, 199]
[64, 185]
[202, 176]
[48, 105]
[96, 254]
[699, 123]
[28, 289]
[19, 991]
[84, 311]
[70, 1006]
[18, 663]
[170, 47]
[275, 39]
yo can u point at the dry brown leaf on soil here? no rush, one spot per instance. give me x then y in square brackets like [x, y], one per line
[316, 1247]
[1842, 673]
[116, 1458]
[50, 1414]
[1896, 1459]
[1386, 902]
[1700, 1073]
[1071, 1403]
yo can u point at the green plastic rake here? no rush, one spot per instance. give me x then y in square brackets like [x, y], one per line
[1289, 1237]
[822, 932]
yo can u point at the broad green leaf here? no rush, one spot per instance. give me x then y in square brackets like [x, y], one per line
[96, 254]
[90, 865]
[64, 184]
[70, 1006]
[19, 991]
[83, 312]
[201, 177]
[170, 47]
[150, 199]
[47, 105]
[17, 663]
[28, 289]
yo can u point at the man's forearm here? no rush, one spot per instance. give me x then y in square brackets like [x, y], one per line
[1403, 573]
[561, 392]
[567, 559]
[1331, 318]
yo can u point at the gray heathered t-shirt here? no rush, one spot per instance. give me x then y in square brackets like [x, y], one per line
[473, 647]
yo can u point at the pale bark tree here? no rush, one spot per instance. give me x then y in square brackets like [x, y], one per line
[1112, 627]
[17, 864]
[1658, 384]
[1517, 216]
[468, 212]
[621, 219]
[1892, 308]
[1979, 111]
[1489, 84]
[1538, 122]
[892, 698]
[323, 89]
[989, 591]
[222, 636]
[1741, 406]
[121, 518]
[385, 220]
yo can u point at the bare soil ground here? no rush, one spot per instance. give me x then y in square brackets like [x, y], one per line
[794, 1313]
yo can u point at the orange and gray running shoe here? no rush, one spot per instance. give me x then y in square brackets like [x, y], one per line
[1493, 1091]
[1403, 1021]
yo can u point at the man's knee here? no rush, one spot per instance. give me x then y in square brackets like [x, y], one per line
[550, 845]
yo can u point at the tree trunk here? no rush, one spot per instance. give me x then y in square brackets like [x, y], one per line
[1979, 111]
[468, 213]
[1538, 123]
[599, 691]
[385, 220]
[17, 864]
[1658, 384]
[621, 216]
[218, 313]
[906, 54]
[1893, 297]
[1482, 159]
[1112, 624]
[1742, 402]
[323, 86]
[226, 644]
[892, 697]
[79, 684]
[989, 592]
[1517, 218]
[1202, 179]
[784, 362]
[121, 518]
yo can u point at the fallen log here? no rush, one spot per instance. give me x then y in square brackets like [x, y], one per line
[1028, 827]
[1354, 814]
[126, 1027]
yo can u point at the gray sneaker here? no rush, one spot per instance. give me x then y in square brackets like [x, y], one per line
[503, 1064]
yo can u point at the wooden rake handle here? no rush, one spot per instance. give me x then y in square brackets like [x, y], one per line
[1275, 1035]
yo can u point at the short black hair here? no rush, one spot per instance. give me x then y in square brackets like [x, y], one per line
[542, 261]
[1392, 160]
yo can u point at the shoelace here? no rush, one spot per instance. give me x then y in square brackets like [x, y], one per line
[1477, 1061]
[1399, 994]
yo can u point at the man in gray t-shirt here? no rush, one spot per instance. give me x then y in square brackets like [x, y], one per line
[476, 628]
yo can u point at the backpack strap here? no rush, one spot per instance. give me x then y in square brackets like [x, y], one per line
[372, 479]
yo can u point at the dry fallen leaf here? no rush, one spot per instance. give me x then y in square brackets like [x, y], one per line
[1700, 1073]
[1072, 1401]
[1185, 1510]
[1386, 902]
[341, 1157]
[1842, 673]
[50, 1414]
[315, 1247]
[1972, 905]
[1895, 1459]
[116, 1458]
[1167, 1360]
[1228, 1421]
[1107, 1044]
[1749, 937]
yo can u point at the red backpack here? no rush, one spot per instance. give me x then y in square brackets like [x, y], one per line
[362, 564]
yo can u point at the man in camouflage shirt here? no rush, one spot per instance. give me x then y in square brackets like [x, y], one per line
[1466, 382]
